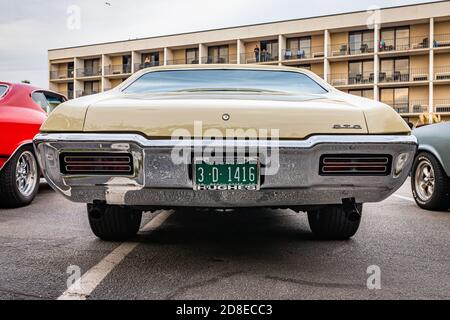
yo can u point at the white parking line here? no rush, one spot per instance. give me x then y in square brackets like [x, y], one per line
[404, 198]
[82, 288]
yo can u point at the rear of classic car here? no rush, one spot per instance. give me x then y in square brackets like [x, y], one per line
[134, 149]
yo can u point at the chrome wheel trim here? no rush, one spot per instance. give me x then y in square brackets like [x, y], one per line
[26, 173]
[425, 180]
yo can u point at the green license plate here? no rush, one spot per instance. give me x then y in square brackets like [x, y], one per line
[210, 175]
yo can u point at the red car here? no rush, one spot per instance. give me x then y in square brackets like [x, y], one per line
[23, 109]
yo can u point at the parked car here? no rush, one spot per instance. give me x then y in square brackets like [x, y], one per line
[198, 136]
[23, 109]
[430, 180]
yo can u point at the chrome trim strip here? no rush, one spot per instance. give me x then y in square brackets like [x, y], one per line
[143, 142]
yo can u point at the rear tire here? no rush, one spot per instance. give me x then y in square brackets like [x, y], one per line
[333, 223]
[19, 179]
[429, 183]
[113, 223]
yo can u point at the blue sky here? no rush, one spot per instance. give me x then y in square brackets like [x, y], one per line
[29, 28]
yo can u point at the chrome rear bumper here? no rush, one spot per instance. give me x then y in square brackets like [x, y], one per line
[159, 182]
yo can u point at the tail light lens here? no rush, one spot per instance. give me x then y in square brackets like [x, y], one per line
[364, 165]
[96, 163]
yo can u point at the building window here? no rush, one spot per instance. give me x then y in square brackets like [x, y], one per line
[150, 59]
[367, 93]
[398, 98]
[92, 67]
[218, 54]
[395, 39]
[361, 42]
[360, 72]
[298, 48]
[394, 70]
[192, 56]
[91, 87]
[269, 50]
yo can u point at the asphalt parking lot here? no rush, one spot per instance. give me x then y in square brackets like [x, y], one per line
[252, 254]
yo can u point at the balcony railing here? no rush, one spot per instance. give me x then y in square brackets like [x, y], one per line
[345, 49]
[441, 40]
[402, 44]
[442, 105]
[86, 93]
[411, 75]
[118, 69]
[62, 74]
[413, 106]
[442, 73]
[182, 61]
[140, 66]
[68, 94]
[305, 53]
[89, 72]
[219, 59]
[345, 79]
[252, 57]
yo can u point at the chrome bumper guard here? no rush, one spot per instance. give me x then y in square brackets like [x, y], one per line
[158, 182]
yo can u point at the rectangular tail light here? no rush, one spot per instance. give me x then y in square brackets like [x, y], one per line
[96, 163]
[355, 164]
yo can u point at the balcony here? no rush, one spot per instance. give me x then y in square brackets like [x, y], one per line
[89, 72]
[67, 94]
[140, 66]
[442, 73]
[411, 75]
[442, 41]
[404, 44]
[182, 61]
[62, 74]
[442, 105]
[413, 106]
[345, 79]
[219, 59]
[344, 49]
[85, 93]
[121, 69]
[301, 54]
[262, 57]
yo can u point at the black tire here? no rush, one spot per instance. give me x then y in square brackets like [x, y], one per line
[439, 199]
[333, 223]
[11, 196]
[113, 223]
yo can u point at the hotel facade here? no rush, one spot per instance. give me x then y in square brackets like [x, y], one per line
[400, 55]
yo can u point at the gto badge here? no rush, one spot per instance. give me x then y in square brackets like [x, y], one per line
[347, 126]
[225, 117]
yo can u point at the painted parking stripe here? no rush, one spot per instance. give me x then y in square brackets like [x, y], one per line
[404, 198]
[83, 287]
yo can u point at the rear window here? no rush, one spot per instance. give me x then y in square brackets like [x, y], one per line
[3, 90]
[225, 80]
[47, 100]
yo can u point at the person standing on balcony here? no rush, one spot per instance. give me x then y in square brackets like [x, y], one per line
[147, 62]
[256, 53]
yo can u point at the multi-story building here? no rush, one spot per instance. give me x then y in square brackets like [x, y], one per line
[399, 55]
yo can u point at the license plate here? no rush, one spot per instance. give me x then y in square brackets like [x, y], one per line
[235, 175]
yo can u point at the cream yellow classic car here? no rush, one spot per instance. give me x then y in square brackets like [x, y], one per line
[225, 136]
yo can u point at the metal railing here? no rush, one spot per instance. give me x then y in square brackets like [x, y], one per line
[89, 72]
[252, 57]
[140, 66]
[441, 40]
[402, 44]
[68, 94]
[407, 75]
[182, 61]
[219, 59]
[118, 69]
[345, 79]
[86, 93]
[442, 73]
[412, 106]
[62, 74]
[442, 105]
[348, 49]
[305, 53]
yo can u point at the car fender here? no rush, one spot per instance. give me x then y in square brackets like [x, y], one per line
[4, 161]
[430, 149]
